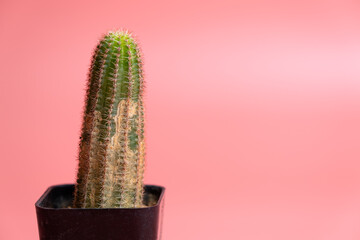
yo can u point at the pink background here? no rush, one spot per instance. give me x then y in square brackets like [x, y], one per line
[253, 111]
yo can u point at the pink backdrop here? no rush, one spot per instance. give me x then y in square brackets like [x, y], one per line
[253, 111]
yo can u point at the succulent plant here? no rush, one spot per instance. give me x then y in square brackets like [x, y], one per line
[112, 148]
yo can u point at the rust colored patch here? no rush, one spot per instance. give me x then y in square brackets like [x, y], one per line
[121, 181]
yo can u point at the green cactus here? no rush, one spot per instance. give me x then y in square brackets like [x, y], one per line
[112, 148]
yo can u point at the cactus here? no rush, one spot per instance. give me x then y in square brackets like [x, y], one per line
[111, 151]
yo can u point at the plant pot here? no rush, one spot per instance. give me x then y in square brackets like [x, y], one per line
[57, 220]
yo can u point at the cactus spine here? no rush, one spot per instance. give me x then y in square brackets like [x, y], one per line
[111, 152]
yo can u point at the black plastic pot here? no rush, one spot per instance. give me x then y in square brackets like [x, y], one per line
[57, 221]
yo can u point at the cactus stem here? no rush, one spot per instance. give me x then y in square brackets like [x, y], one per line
[112, 146]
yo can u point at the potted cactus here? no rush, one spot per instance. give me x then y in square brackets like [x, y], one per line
[109, 200]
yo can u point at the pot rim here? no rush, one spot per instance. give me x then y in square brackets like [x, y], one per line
[38, 203]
